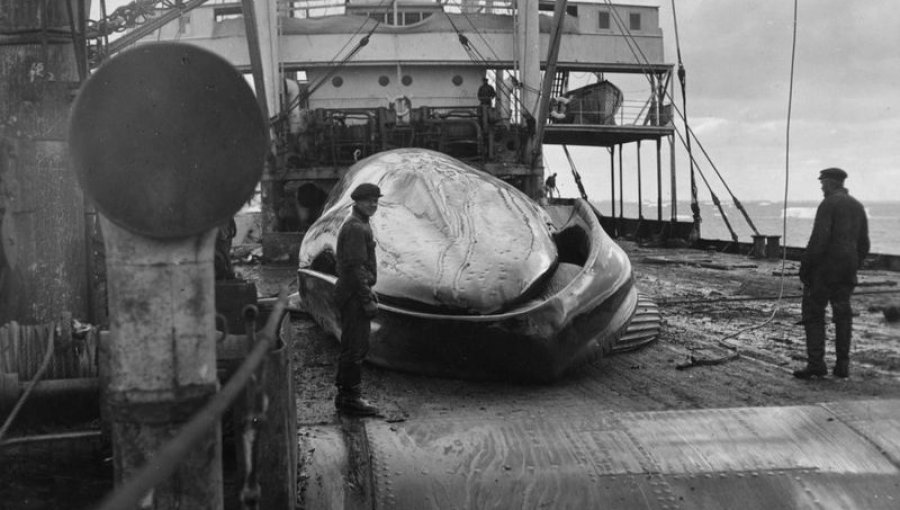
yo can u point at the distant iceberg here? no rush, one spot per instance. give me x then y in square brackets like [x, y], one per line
[803, 213]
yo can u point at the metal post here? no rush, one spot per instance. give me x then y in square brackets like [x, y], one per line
[621, 187]
[612, 180]
[659, 180]
[162, 359]
[674, 196]
[640, 188]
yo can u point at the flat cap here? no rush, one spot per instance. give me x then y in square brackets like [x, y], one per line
[366, 190]
[833, 173]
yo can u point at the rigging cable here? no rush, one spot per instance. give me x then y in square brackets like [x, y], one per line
[31, 385]
[501, 86]
[737, 203]
[682, 79]
[715, 198]
[479, 58]
[787, 171]
[297, 101]
[642, 59]
[575, 173]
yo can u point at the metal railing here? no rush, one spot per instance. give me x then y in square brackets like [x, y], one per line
[318, 8]
[166, 461]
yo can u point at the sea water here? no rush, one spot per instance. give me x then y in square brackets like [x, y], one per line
[767, 216]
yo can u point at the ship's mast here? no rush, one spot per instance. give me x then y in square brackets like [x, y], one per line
[529, 61]
[528, 55]
[265, 24]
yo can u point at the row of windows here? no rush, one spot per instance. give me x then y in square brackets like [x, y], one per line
[384, 80]
[605, 20]
[409, 18]
[404, 18]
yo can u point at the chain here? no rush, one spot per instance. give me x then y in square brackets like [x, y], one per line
[128, 16]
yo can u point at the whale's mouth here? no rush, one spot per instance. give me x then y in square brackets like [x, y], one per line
[573, 246]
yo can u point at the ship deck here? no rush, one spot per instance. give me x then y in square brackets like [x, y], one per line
[740, 427]
[703, 296]
[595, 135]
[630, 425]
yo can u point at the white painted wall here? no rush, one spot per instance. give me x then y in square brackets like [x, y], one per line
[432, 86]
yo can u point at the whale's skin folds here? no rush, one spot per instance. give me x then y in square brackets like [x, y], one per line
[448, 237]
[579, 315]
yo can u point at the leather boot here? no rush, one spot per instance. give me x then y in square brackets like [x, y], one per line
[815, 352]
[842, 334]
[349, 401]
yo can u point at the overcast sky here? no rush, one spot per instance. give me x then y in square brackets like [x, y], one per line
[737, 57]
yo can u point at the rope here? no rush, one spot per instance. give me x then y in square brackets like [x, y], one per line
[776, 297]
[639, 56]
[333, 69]
[31, 384]
[734, 199]
[637, 52]
[476, 56]
[787, 153]
[787, 150]
[575, 173]
[682, 79]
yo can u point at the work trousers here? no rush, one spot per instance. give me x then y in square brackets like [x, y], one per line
[816, 297]
[355, 329]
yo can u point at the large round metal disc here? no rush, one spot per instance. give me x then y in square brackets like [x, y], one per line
[168, 140]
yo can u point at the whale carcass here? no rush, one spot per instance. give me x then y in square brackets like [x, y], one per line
[476, 280]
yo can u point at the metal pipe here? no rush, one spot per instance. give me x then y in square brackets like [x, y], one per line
[659, 180]
[612, 180]
[162, 359]
[52, 388]
[674, 197]
[44, 438]
[640, 190]
[621, 186]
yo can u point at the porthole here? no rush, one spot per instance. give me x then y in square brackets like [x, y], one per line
[457, 80]
[406, 80]
[383, 80]
[337, 81]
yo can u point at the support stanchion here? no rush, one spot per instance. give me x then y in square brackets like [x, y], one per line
[773, 247]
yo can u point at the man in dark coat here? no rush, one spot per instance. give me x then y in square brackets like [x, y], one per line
[837, 247]
[486, 93]
[357, 273]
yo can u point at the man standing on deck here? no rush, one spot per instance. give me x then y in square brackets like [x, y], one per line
[837, 247]
[356, 272]
[486, 93]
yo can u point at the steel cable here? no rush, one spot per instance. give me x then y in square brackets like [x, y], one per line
[28, 389]
[780, 298]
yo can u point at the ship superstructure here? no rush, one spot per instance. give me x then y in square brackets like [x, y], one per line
[345, 80]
